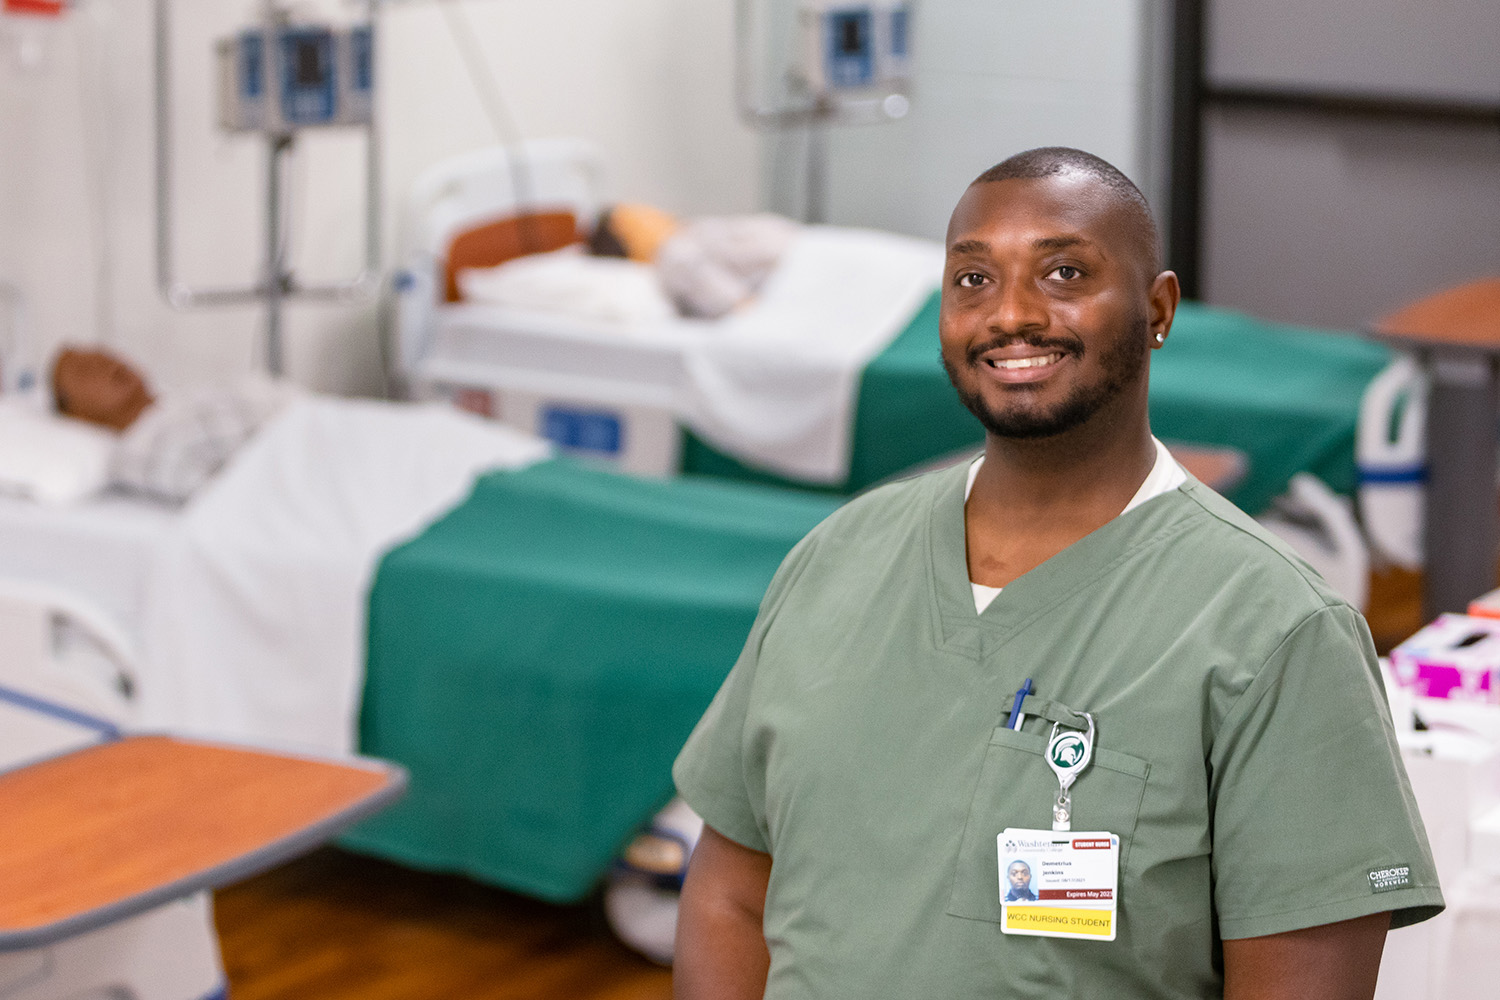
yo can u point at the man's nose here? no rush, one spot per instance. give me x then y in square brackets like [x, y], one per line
[1018, 307]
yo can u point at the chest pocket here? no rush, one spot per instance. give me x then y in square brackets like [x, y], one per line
[1017, 788]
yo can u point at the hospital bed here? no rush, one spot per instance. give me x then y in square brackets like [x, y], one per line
[247, 607]
[1287, 397]
[246, 604]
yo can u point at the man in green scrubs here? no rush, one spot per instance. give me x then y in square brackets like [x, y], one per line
[884, 736]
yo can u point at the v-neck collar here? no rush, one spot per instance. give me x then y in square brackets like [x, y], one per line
[1034, 593]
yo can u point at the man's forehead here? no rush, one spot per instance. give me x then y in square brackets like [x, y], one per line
[1061, 208]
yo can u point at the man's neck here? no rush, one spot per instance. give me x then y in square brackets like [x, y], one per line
[1034, 498]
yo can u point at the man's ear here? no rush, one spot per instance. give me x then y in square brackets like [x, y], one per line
[1162, 306]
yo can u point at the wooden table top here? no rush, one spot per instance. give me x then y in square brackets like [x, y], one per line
[119, 827]
[1465, 316]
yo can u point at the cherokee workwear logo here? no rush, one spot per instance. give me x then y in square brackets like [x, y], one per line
[1068, 751]
[1386, 879]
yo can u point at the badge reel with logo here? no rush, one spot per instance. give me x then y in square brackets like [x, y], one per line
[1058, 883]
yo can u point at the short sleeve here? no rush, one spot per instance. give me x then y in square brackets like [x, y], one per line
[713, 773]
[1314, 820]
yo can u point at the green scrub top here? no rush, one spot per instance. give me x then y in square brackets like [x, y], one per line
[1244, 752]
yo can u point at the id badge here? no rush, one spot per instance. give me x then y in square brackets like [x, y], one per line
[1059, 884]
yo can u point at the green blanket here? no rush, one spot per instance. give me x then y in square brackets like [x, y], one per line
[1287, 397]
[538, 656]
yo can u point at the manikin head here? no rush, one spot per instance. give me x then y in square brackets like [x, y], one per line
[1053, 295]
[96, 386]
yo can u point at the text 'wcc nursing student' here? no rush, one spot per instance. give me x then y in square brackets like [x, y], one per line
[1201, 774]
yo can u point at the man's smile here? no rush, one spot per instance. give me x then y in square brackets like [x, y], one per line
[1036, 362]
[1019, 363]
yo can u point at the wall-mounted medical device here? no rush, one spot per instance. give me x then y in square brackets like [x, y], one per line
[815, 63]
[307, 76]
[277, 77]
[855, 48]
[844, 62]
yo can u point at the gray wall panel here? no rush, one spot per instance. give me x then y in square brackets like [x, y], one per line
[1433, 49]
[1332, 221]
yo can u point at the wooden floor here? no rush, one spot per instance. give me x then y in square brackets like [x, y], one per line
[337, 926]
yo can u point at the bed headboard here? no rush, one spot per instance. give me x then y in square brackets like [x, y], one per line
[473, 211]
[505, 239]
[468, 211]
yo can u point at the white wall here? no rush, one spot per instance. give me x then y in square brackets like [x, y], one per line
[648, 81]
[992, 78]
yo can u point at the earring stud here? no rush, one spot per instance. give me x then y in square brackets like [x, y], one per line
[1161, 338]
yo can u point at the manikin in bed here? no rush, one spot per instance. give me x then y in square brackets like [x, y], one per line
[231, 534]
[641, 265]
[487, 312]
[168, 445]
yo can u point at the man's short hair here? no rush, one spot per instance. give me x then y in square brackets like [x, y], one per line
[1050, 161]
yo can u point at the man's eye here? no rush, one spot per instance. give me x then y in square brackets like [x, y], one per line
[1067, 272]
[970, 280]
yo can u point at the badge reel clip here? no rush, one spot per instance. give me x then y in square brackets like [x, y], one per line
[1068, 753]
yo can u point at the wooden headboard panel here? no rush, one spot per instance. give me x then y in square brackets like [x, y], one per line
[505, 239]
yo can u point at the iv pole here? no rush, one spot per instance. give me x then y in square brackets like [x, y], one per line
[278, 283]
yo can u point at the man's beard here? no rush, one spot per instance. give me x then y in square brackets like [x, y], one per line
[1122, 365]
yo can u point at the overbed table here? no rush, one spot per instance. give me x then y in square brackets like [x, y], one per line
[1455, 335]
[117, 828]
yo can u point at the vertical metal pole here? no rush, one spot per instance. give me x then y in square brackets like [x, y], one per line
[277, 146]
[278, 140]
[163, 148]
[816, 209]
[1461, 533]
[373, 179]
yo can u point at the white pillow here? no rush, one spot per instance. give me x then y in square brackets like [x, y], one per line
[50, 458]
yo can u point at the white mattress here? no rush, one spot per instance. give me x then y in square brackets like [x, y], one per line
[100, 549]
[547, 353]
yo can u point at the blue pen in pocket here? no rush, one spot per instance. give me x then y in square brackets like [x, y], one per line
[1016, 718]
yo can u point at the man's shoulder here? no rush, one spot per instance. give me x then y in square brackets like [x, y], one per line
[1246, 552]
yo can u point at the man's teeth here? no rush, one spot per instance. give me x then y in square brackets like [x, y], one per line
[1036, 362]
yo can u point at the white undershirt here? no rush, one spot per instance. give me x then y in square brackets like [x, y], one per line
[1165, 476]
